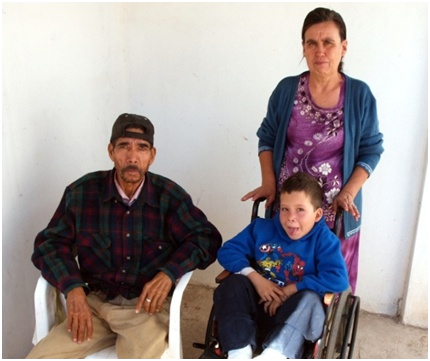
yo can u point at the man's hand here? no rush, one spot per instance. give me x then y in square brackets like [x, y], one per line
[79, 316]
[154, 294]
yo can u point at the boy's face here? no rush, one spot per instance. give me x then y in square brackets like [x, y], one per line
[297, 214]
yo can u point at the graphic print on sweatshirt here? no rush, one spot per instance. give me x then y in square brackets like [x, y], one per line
[280, 267]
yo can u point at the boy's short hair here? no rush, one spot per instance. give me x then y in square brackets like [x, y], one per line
[306, 183]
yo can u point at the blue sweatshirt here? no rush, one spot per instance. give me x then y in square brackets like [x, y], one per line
[313, 262]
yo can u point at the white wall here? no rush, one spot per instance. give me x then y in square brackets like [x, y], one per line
[202, 72]
[415, 310]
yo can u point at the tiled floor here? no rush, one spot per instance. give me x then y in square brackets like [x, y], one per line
[378, 337]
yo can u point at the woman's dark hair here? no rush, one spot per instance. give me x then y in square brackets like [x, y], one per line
[321, 15]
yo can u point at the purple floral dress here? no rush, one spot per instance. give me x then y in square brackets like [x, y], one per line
[315, 145]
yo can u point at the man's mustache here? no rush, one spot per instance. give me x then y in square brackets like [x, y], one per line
[131, 167]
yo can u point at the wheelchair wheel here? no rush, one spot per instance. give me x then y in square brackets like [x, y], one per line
[211, 345]
[330, 344]
[351, 328]
[334, 343]
[210, 329]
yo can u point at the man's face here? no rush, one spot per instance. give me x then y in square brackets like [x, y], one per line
[132, 158]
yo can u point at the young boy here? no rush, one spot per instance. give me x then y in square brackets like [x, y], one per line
[282, 267]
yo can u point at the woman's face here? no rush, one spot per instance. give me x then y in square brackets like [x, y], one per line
[323, 48]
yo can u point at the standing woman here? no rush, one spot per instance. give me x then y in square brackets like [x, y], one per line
[324, 123]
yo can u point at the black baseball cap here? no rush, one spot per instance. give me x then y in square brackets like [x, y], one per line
[125, 121]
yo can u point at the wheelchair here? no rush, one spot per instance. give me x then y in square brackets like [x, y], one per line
[340, 326]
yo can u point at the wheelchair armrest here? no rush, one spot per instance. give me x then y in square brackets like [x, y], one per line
[328, 299]
[222, 276]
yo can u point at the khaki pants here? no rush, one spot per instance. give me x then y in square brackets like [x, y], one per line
[114, 322]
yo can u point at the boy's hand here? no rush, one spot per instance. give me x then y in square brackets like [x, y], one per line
[266, 289]
[271, 307]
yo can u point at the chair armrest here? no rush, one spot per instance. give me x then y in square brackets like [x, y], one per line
[45, 304]
[44, 308]
[174, 349]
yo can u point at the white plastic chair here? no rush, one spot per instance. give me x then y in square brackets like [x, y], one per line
[45, 297]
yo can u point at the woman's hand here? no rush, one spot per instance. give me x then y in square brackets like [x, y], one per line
[346, 201]
[264, 191]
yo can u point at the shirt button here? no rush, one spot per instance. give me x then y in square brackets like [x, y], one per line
[128, 257]
[160, 247]
[123, 271]
[128, 212]
[127, 235]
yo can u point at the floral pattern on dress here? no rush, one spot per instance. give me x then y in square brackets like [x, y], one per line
[315, 139]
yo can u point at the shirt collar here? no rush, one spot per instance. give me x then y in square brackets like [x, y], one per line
[128, 201]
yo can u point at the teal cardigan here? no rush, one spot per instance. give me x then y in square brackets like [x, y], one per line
[362, 143]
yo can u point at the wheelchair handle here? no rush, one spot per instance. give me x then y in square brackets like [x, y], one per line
[338, 221]
[255, 206]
